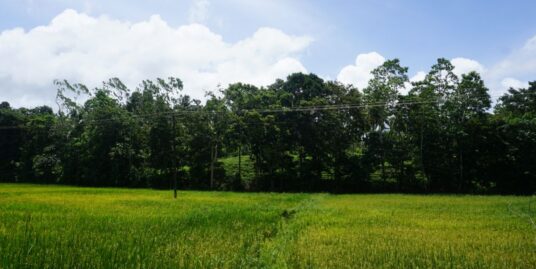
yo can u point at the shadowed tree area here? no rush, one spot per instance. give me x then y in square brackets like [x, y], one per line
[299, 134]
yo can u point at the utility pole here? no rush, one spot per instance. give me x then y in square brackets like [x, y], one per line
[174, 157]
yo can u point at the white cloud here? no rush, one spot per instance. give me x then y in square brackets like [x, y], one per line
[419, 76]
[199, 11]
[89, 50]
[508, 83]
[499, 78]
[464, 66]
[498, 84]
[521, 62]
[514, 70]
[359, 73]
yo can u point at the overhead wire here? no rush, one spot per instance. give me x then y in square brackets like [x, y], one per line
[313, 108]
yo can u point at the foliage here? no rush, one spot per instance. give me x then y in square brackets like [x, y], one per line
[300, 134]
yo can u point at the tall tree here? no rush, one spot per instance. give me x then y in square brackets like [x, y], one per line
[515, 123]
[11, 139]
[381, 96]
[468, 103]
[428, 117]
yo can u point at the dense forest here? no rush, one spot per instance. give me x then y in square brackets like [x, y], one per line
[299, 134]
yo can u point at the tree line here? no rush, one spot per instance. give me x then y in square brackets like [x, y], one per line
[298, 134]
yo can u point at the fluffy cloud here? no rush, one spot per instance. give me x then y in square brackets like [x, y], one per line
[421, 75]
[512, 71]
[515, 70]
[508, 83]
[464, 66]
[359, 73]
[89, 50]
[521, 62]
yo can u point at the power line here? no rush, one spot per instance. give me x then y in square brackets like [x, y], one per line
[260, 111]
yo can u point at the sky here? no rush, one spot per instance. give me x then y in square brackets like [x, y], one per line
[211, 43]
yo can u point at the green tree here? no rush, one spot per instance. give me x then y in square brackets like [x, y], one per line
[467, 104]
[381, 96]
[515, 123]
[11, 139]
[427, 121]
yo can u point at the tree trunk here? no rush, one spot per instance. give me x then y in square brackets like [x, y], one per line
[272, 185]
[214, 155]
[422, 155]
[174, 158]
[460, 186]
[211, 167]
[239, 163]
[383, 153]
[300, 163]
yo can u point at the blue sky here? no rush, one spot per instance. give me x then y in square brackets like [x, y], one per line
[491, 35]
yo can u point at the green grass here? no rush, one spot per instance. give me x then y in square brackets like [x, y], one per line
[69, 227]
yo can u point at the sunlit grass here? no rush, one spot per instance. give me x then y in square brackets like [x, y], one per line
[50, 227]
[401, 231]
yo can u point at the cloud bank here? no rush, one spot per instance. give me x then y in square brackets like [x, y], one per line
[88, 49]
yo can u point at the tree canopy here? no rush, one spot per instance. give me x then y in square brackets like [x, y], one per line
[298, 134]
